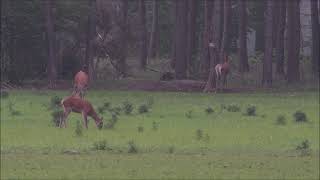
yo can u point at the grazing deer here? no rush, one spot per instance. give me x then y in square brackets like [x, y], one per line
[80, 83]
[75, 104]
[222, 70]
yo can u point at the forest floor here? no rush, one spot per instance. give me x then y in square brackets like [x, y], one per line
[251, 135]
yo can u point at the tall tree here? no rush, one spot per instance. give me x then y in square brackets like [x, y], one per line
[267, 58]
[226, 28]
[279, 50]
[315, 36]
[91, 31]
[293, 40]
[154, 30]
[51, 68]
[192, 7]
[243, 54]
[123, 40]
[143, 34]
[181, 44]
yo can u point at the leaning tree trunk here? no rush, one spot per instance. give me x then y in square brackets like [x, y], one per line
[51, 68]
[243, 55]
[181, 44]
[91, 30]
[192, 6]
[143, 34]
[226, 25]
[315, 37]
[154, 31]
[279, 54]
[293, 41]
[267, 59]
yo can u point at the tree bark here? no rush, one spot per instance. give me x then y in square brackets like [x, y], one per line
[143, 34]
[267, 59]
[315, 37]
[226, 25]
[174, 36]
[154, 30]
[124, 34]
[181, 44]
[192, 6]
[91, 30]
[243, 53]
[51, 68]
[280, 38]
[293, 40]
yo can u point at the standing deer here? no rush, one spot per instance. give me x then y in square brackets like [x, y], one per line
[80, 83]
[222, 71]
[75, 104]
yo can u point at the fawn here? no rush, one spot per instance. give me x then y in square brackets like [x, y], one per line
[222, 70]
[74, 103]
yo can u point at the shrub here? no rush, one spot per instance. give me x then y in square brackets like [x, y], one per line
[304, 148]
[4, 94]
[132, 147]
[57, 117]
[127, 107]
[110, 124]
[115, 110]
[300, 116]
[189, 114]
[79, 128]
[209, 110]
[155, 125]
[107, 105]
[55, 102]
[199, 134]
[143, 109]
[233, 108]
[101, 109]
[251, 110]
[281, 120]
[140, 129]
[100, 145]
[171, 149]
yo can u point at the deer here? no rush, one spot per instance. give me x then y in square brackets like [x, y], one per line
[222, 71]
[75, 103]
[80, 83]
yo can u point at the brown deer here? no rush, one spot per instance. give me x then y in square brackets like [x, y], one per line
[222, 71]
[81, 80]
[76, 104]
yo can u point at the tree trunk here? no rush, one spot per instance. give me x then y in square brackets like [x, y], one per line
[192, 6]
[267, 58]
[293, 40]
[243, 54]
[280, 37]
[91, 30]
[315, 37]
[124, 34]
[174, 36]
[143, 34]
[181, 44]
[51, 68]
[206, 35]
[226, 25]
[154, 31]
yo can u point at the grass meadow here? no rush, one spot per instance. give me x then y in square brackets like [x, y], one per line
[183, 135]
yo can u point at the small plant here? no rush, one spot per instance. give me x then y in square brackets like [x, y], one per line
[100, 145]
[55, 102]
[304, 148]
[143, 109]
[4, 94]
[199, 134]
[110, 124]
[116, 110]
[281, 120]
[209, 110]
[78, 130]
[127, 107]
[171, 150]
[140, 129]
[107, 105]
[155, 125]
[189, 114]
[207, 138]
[251, 110]
[300, 116]
[132, 147]
[56, 117]
[233, 108]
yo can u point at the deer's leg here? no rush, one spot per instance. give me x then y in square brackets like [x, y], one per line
[66, 112]
[85, 119]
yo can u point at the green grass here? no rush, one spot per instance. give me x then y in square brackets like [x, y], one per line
[238, 146]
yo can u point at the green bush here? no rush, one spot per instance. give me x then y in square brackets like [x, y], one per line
[132, 147]
[140, 129]
[304, 148]
[55, 102]
[189, 114]
[127, 107]
[56, 117]
[199, 134]
[300, 116]
[143, 109]
[233, 108]
[100, 145]
[251, 110]
[209, 110]
[281, 120]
